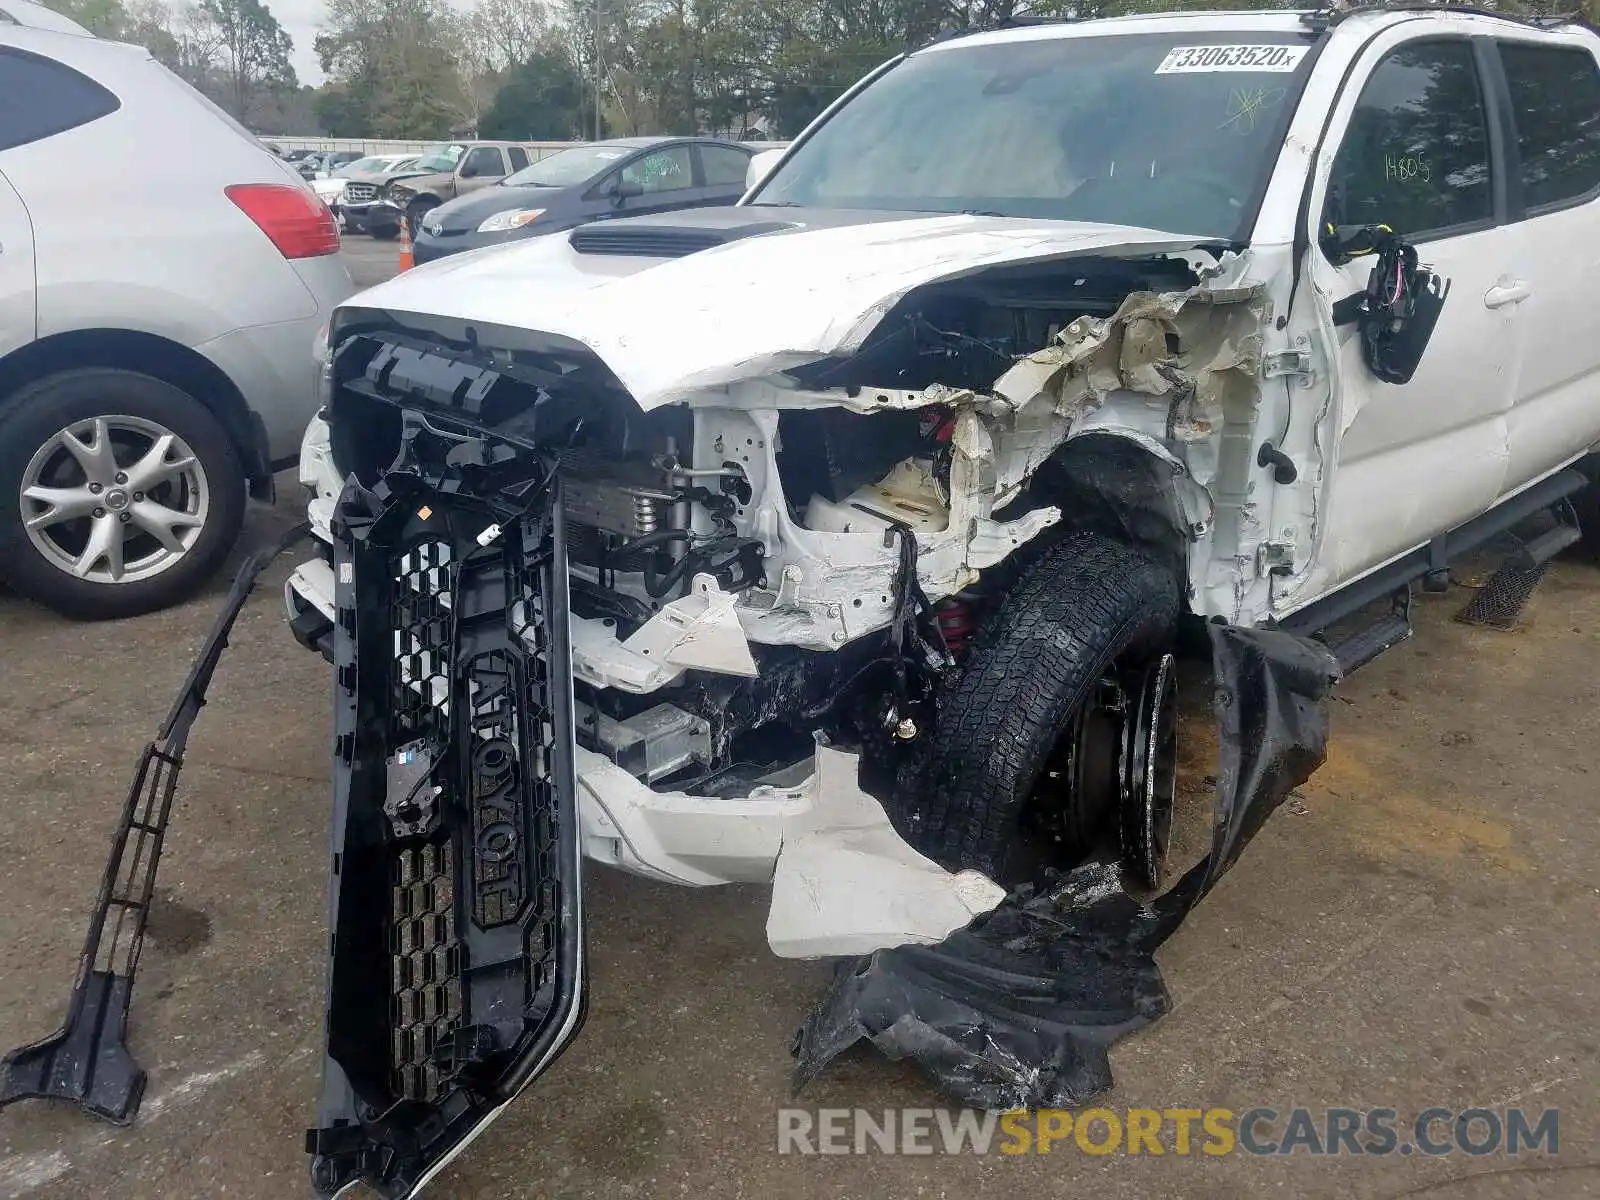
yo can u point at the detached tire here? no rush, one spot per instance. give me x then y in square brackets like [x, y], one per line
[119, 493]
[1086, 604]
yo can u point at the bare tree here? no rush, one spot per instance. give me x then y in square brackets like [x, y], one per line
[510, 31]
[253, 50]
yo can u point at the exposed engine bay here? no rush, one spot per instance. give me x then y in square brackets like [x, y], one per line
[793, 554]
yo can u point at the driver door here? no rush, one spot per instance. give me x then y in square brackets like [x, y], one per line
[1416, 151]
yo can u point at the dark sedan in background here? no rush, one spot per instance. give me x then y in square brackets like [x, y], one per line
[623, 177]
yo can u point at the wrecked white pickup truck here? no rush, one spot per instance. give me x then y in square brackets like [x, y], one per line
[844, 538]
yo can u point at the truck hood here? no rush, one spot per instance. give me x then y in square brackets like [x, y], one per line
[783, 288]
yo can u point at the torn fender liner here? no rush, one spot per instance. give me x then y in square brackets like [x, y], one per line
[1020, 1009]
[87, 1061]
[456, 974]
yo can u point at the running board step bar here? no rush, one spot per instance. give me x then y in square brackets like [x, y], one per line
[1499, 603]
[1361, 647]
[1547, 545]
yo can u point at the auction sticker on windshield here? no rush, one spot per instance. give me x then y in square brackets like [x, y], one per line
[1181, 59]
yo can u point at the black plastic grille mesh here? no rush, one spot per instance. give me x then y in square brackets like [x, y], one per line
[424, 949]
[420, 618]
[425, 958]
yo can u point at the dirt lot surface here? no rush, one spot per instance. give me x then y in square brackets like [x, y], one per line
[1417, 928]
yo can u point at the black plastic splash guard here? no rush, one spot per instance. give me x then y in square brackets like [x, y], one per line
[456, 971]
[1020, 1009]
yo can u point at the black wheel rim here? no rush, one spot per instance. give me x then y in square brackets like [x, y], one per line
[1149, 770]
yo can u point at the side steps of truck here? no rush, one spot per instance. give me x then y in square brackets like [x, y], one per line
[1357, 649]
[1499, 602]
[1542, 521]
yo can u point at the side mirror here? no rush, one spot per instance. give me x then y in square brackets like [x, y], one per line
[625, 189]
[467, 171]
[1397, 312]
[760, 167]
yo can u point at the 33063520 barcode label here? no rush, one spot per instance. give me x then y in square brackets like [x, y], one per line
[1193, 59]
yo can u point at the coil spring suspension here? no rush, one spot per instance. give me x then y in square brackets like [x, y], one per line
[957, 622]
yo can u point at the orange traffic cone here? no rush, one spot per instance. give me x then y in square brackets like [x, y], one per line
[406, 259]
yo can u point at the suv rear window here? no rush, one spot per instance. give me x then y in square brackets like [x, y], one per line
[40, 98]
[1555, 95]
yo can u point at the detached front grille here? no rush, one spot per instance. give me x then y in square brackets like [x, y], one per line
[544, 818]
[360, 193]
[456, 947]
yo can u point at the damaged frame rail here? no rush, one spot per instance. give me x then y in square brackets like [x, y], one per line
[87, 1061]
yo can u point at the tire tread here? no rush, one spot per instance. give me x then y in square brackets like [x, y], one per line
[1086, 602]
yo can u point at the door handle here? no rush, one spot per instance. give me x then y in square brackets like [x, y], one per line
[1503, 294]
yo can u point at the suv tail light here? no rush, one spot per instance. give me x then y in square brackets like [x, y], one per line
[298, 223]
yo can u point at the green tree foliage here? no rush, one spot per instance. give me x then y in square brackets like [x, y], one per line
[541, 99]
[347, 108]
[103, 18]
[395, 62]
[420, 68]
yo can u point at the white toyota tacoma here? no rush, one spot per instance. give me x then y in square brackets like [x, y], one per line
[842, 538]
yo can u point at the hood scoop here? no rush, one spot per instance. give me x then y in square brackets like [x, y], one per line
[650, 240]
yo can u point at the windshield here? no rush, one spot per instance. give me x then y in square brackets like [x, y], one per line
[1172, 131]
[567, 167]
[439, 158]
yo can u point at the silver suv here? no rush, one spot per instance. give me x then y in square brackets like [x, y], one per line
[155, 358]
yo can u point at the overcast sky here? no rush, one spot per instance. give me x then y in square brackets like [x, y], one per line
[300, 19]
